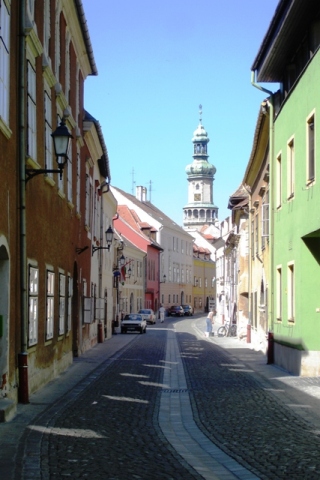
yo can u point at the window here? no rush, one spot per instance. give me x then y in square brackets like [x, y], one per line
[4, 61]
[57, 44]
[78, 180]
[48, 130]
[46, 27]
[69, 173]
[69, 305]
[62, 303]
[50, 305]
[32, 113]
[88, 202]
[310, 150]
[290, 168]
[279, 182]
[256, 233]
[279, 293]
[252, 238]
[67, 66]
[291, 293]
[33, 305]
[265, 218]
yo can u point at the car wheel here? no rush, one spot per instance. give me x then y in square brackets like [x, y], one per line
[141, 330]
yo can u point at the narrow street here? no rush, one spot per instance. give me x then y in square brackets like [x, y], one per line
[172, 405]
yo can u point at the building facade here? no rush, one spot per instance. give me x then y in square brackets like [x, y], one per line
[294, 40]
[176, 262]
[45, 238]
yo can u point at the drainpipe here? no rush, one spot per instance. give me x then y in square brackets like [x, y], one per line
[271, 210]
[23, 389]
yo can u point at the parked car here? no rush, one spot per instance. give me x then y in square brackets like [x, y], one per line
[133, 322]
[188, 310]
[148, 315]
[176, 310]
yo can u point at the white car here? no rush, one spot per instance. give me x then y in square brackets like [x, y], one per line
[133, 322]
[148, 315]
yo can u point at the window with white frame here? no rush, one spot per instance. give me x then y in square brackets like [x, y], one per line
[88, 202]
[69, 304]
[256, 233]
[291, 292]
[279, 293]
[48, 129]
[279, 182]
[265, 219]
[32, 112]
[310, 149]
[4, 61]
[78, 180]
[57, 43]
[33, 305]
[50, 305]
[252, 239]
[46, 27]
[290, 168]
[62, 303]
[69, 173]
[67, 66]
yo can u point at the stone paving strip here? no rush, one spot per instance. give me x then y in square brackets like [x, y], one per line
[177, 424]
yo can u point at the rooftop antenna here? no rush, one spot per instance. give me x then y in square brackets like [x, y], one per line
[200, 114]
[133, 182]
[150, 189]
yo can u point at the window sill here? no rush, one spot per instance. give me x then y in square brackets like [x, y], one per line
[5, 129]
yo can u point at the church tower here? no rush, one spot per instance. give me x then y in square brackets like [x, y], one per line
[200, 209]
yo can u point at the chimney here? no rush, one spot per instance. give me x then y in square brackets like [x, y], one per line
[141, 194]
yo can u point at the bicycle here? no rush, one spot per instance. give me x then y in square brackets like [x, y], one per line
[227, 330]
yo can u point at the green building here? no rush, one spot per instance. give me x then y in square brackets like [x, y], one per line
[290, 56]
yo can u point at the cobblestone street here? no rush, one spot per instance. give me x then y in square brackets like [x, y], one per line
[130, 417]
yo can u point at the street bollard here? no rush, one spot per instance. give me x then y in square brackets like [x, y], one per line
[248, 333]
[270, 351]
[100, 333]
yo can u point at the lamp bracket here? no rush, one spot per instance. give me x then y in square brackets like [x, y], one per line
[33, 172]
[94, 249]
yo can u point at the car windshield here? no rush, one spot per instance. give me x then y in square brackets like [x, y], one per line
[144, 311]
[133, 316]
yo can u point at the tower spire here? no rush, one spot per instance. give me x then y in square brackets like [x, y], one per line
[200, 114]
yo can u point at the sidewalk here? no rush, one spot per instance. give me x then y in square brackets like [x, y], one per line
[301, 394]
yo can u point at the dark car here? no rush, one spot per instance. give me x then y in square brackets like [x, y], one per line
[188, 310]
[176, 310]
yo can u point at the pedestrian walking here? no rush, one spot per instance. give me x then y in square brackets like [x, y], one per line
[162, 311]
[209, 322]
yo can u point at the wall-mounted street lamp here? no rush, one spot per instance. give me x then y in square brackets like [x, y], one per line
[61, 140]
[164, 278]
[109, 238]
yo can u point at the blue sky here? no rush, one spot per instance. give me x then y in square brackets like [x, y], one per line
[157, 61]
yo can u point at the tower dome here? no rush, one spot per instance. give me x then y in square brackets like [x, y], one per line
[200, 209]
[200, 135]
